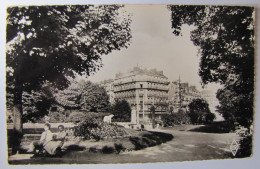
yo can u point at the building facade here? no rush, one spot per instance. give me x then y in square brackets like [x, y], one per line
[181, 94]
[142, 89]
[109, 87]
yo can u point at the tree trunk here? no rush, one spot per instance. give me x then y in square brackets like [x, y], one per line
[18, 118]
[153, 116]
[17, 114]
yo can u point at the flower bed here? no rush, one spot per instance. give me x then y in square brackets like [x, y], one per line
[94, 129]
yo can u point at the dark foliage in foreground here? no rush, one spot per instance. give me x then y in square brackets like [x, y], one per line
[245, 149]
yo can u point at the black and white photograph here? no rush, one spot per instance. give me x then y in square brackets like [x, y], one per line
[129, 83]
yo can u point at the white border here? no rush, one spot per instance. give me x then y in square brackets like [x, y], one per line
[223, 164]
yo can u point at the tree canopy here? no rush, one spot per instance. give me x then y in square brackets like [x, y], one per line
[50, 42]
[225, 37]
[85, 96]
[200, 112]
[121, 111]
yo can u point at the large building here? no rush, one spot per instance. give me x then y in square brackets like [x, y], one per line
[142, 88]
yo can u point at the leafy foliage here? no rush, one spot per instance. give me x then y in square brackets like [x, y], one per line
[93, 128]
[200, 112]
[85, 96]
[35, 105]
[81, 116]
[121, 111]
[245, 149]
[225, 37]
[179, 118]
[236, 107]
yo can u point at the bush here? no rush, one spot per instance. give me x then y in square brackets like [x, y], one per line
[81, 116]
[108, 150]
[122, 111]
[175, 119]
[168, 120]
[96, 129]
[245, 149]
[200, 112]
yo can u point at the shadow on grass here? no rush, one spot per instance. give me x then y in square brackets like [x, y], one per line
[149, 140]
[215, 127]
[74, 148]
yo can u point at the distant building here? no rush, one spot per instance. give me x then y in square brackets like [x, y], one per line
[181, 94]
[109, 87]
[142, 88]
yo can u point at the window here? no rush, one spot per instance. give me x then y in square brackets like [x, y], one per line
[141, 85]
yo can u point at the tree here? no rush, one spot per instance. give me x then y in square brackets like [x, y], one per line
[85, 96]
[225, 37]
[161, 104]
[49, 43]
[121, 111]
[200, 112]
[235, 107]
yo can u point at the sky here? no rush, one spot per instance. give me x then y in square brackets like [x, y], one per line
[153, 45]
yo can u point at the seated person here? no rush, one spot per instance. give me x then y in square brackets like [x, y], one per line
[46, 137]
[54, 147]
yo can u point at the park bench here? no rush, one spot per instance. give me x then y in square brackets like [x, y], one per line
[34, 134]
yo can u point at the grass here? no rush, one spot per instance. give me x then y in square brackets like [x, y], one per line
[136, 141]
[215, 127]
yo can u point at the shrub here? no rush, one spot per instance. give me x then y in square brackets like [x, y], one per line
[200, 112]
[96, 129]
[108, 150]
[80, 116]
[175, 119]
[122, 111]
[245, 149]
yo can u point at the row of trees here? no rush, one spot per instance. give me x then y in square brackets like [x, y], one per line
[72, 104]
